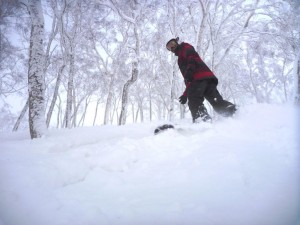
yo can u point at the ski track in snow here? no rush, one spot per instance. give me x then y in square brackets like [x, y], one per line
[238, 171]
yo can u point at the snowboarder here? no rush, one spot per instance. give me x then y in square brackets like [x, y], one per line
[200, 81]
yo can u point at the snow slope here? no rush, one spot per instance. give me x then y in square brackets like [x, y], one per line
[238, 171]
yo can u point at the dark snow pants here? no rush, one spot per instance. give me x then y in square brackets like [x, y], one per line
[207, 89]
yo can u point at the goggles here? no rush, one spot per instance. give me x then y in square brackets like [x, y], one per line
[171, 45]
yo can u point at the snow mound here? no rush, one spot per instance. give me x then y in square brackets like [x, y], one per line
[238, 171]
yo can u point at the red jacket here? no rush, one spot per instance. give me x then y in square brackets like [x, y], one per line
[191, 65]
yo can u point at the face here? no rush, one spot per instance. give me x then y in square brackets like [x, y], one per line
[171, 46]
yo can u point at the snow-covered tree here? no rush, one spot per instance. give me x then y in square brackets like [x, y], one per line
[96, 50]
[36, 80]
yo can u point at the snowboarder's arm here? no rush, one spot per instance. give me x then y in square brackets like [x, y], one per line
[187, 85]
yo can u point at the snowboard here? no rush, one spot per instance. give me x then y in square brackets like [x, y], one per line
[163, 128]
[186, 129]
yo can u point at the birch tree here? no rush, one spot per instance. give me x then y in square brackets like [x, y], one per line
[132, 16]
[175, 26]
[297, 79]
[296, 47]
[135, 7]
[12, 79]
[49, 59]
[36, 85]
[68, 30]
[110, 65]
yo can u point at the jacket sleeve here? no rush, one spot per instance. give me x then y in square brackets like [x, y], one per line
[187, 85]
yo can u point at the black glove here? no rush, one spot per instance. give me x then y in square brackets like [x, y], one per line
[183, 99]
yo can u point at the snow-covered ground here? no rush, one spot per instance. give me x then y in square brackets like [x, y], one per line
[237, 171]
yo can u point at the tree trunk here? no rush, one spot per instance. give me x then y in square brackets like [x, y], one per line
[108, 102]
[70, 93]
[59, 114]
[96, 113]
[298, 83]
[82, 119]
[75, 110]
[171, 109]
[134, 75]
[202, 27]
[24, 110]
[137, 115]
[36, 81]
[297, 79]
[141, 111]
[54, 98]
[182, 111]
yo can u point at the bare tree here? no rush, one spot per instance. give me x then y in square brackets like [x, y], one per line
[296, 47]
[297, 78]
[55, 94]
[21, 116]
[135, 16]
[36, 85]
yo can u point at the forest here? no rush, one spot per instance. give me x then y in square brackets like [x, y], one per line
[70, 63]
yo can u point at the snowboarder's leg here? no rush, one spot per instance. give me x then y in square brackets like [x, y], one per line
[220, 105]
[195, 103]
[201, 114]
